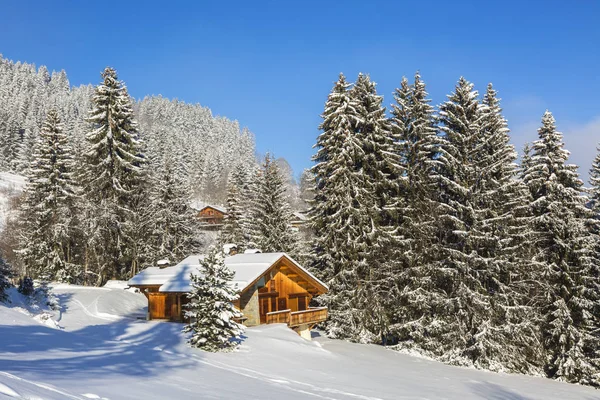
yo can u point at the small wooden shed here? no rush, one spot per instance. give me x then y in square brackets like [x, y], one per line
[273, 288]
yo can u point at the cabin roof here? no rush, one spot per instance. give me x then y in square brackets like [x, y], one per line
[299, 216]
[199, 205]
[247, 269]
[220, 209]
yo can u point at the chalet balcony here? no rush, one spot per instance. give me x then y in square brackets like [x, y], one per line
[295, 319]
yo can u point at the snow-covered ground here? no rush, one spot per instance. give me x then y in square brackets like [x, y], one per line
[105, 351]
[11, 185]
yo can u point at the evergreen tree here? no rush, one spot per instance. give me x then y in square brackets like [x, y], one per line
[271, 216]
[173, 224]
[348, 212]
[595, 183]
[413, 126]
[456, 297]
[112, 175]
[211, 310]
[570, 269]
[509, 339]
[5, 274]
[48, 206]
[379, 170]
[233, 225]
[335, 210]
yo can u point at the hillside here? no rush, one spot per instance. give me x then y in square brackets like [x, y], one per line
[103, 351]
[11, 185]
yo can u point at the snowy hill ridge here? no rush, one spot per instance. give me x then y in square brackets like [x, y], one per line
[105, 352]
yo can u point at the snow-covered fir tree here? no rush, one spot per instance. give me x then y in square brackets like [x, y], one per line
[347, 212]
[333, 211]
[210, 309]
[173, 224]
[500, 236]
[564, 247]
[413, 126]
[271, 213]
[455, 294]
[112, 175]
[5, 274]
[233, 231]
[379, 169]
[595, 183]
[47, 209]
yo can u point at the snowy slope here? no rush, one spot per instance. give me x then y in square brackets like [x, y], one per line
[10, 185]
[104, 351]
[12, 182]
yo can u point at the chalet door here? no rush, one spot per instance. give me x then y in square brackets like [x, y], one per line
[267, 303]
[157, 305]
[264, 309]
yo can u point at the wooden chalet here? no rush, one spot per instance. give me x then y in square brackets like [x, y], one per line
[211, 215]
[299, 220]
[273, 289]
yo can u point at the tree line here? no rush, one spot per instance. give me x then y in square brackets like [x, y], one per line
[432, 238]
[105, 214]
[204, 147]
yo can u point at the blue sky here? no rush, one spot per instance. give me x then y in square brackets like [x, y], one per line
[270, 65]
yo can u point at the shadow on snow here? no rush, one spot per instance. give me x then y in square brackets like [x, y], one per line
[105, 348]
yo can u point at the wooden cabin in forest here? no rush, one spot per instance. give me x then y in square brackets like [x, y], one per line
[211, 215]
[273, 288]
[299, 220]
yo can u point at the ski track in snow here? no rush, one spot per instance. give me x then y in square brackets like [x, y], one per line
[97, 314]
[302, 387]
[37, 384]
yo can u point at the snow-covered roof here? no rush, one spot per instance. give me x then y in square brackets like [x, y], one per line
[199, 205]
[252, 251]
[247, 268]
[218, 208]
[300, 216]
[153, 276]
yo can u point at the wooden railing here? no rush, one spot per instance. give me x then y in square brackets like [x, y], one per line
[279, 317]
[296, 318]
[311, 316]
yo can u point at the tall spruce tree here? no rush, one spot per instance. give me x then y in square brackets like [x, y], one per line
[336, 211]
[413, 125]
[233, 231]
[379, 169]
[210, 309]
[113, 171]
[48, 205]
[457, 297]
[564, 247]
[509, 339]
[353, 208]
[271, 214]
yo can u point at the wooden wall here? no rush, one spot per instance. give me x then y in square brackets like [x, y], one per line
[210, 215]
[284, 289]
